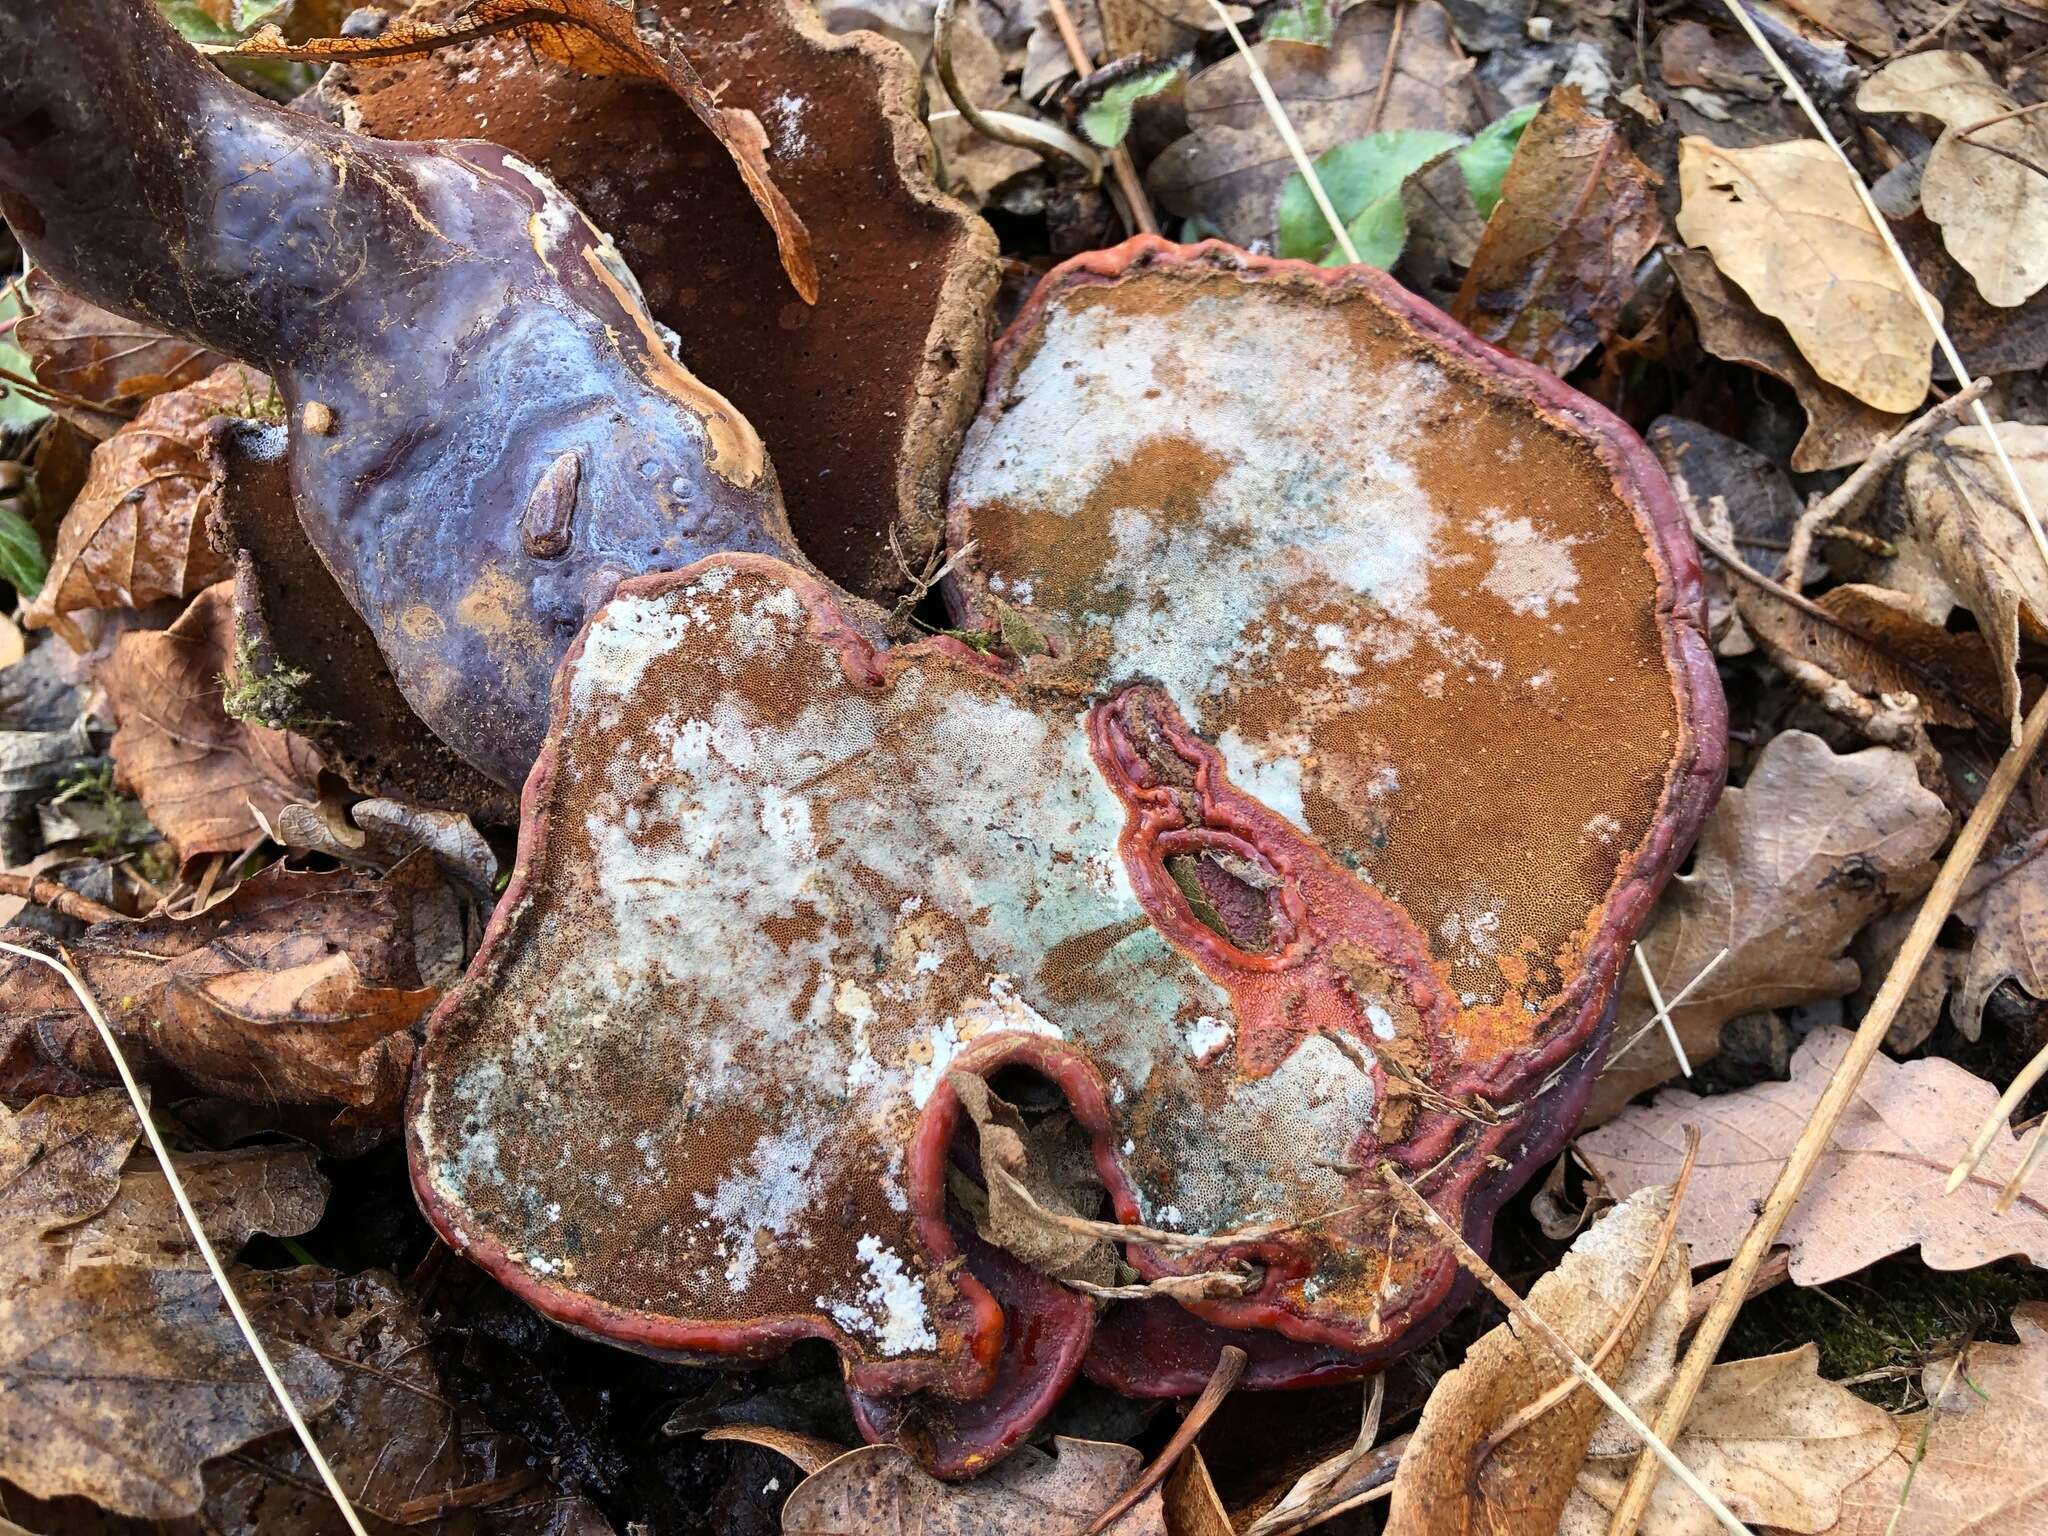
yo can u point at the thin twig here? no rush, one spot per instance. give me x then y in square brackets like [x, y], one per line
[1533, 1322]
[1667, 1229]
[1663, 1011]
[1846, 497]
[1964, 136]
[45, 892]
[1120, 157]
[1285, 127]
[1827, 1112]
[2001, 1112]
[1229, 1368]
[1773, 1272]
[213, 1263]
[1932, 315]
[1379, 97]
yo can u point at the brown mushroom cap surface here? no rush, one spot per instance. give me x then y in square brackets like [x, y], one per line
[863, 396]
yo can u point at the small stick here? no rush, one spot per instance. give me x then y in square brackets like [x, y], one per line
[1677, 1002]
[1828, 1110]
[1285, 126]
[1666, 1230]
[213, 1263]
[1844, 498]
[1664, 1013]
[1229, 1368]
[1965, 136]
[1534, 1323]
[2037, 1144]
[1119, 158]
[1772, 1272]
[1379, 99]
[1995, 1122]
[45, 892]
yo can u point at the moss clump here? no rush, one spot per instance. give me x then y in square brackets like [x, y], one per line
[260, 690]
[1876, 1329]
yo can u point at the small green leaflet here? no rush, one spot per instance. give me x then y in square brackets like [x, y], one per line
[221, 21]
[21, 555]
[1107, 118]
[1363, 179]
[1305, 21]
[1485, 160]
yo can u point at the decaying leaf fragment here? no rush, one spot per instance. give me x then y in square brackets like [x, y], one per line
[203, 777]
[102, 367]
[1993, 211]
[1878, 1188]
[1813, 846]
[879, 1488]
[1558, 258]
[1784, 222]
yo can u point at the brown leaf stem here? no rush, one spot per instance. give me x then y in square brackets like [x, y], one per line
[1827, 1113]
[1229, 1368]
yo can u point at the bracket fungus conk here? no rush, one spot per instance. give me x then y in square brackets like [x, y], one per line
[488, 429]
[1355, 708]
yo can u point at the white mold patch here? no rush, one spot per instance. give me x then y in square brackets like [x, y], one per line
[1533, 571]
[889, 1308]
[1207, 1037]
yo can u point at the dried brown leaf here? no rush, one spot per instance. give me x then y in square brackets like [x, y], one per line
[1558, 259]
[60, 1162]
[274, 1189]
[595, 37]
[879, 1489]
[1789, 867]
[1866, 23]
[1993, 211]
[1785, 223]
[298, 990]
[1840, 429]
[102, 366]
[1980, 1469]
[137, 531]
[1448, 1479]
[1960, 506]
[1878, 1187]
[208, 782]
[1231, 166]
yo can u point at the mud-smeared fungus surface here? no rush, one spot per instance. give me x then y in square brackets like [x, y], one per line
[444, 325]
[862, 396]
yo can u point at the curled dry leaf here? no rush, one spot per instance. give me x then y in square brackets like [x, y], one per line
[102, 367]
[1778, 1444]
[1960, 506]
[298, 990]
[1993, 210]
[1878, 1188]
[1451, 1477]
[207, 781]
[1230, 167]
[1971, 1462]
[879, 1488]
[137, 531]
[119, 1377]
[1558, 259]
[1789, 867]
[1784, 221]
[1840, 429]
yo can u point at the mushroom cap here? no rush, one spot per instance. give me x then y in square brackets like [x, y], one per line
[862, 396]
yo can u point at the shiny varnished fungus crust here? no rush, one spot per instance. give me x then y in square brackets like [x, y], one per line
[1378, 712]
[487, 429]
[863, 396]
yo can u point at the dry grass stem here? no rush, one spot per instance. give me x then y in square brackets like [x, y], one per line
[1304, 1504]
[206, 1251]
[1662, 1014]
[1828, 1110]
[2001, 1112]
[1229, 1369]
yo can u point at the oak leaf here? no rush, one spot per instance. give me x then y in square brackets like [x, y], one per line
[102, 367]
[1784, 221]
[1993, 211]
[879, 1488]
[1878, 1187]
[1789, 867]
[209, 782]
[1230, 167]
[1448, 1478]
[136, 533]
[1840, 429]
[1960, 506]
[1558, 258]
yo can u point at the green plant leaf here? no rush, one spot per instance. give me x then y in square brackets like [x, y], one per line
[1305, 21]
[22, 565]
[16, 408]
[1363, 179]
[1485, 160]
[221, 21]
[1107, 118]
